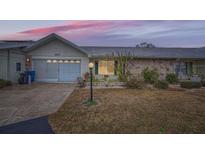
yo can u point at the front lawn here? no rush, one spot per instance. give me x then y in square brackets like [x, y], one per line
[132, 111]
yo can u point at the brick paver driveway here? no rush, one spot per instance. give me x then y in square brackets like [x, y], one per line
[23, 102]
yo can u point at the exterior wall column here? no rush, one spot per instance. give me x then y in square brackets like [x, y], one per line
[8, 65]
[28, 62]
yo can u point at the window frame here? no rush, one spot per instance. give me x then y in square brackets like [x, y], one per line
[106, 67]
[189, 68]
[18, 67]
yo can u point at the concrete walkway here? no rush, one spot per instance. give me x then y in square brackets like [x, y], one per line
[24, 102]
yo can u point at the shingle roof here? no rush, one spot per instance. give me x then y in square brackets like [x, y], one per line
[14, 44]
[96, 51]
[167, 53]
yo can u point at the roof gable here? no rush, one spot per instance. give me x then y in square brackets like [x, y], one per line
[50, 38]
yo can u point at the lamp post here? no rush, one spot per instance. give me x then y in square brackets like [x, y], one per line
[90, 65]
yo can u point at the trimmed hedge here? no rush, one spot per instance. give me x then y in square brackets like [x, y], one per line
[134, 83]
[4, 83]
[171, 78]
[161, 84]
[190, 84]
[150, 75]
[203, 83]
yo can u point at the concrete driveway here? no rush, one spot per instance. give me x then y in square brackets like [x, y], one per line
[24, 102]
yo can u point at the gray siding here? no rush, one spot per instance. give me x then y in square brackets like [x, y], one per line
[59, 50]
[15, 57]
[3, 65]
[56, 48]
[199, 67]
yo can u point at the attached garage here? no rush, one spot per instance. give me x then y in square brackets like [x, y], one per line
[69, 72]
[55, 59]
[57, 70]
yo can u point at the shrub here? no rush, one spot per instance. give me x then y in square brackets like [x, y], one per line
[161, 84]
[4, 83]
[86, 76]
[95, 79]
[203, 83]
[150, 76]
[8, 83]
[202, 80]
[134, 83]
[171, 78]
[190, 84]
[81, 82]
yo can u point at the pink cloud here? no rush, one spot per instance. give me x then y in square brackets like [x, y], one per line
[75, 30]
[72, 26]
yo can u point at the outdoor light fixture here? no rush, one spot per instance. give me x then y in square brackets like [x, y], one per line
[90, 65]
[66, 61]
[49, 61]
[27, 59]
[60, 61]
[54, 61]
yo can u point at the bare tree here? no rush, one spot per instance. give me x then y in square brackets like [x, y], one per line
[145, 45]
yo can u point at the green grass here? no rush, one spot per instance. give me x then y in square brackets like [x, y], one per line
[89, 102]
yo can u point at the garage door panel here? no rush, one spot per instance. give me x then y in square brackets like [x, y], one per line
[56, 71]
[69, 72]
[52, 71]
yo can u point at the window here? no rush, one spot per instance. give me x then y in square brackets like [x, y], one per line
[96, 67]
[106, 67]
[18, 67]
[189, 68]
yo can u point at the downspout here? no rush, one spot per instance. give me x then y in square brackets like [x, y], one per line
[8, 65]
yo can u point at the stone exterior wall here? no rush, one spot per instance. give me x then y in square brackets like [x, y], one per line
[162, 66]
[199, 67]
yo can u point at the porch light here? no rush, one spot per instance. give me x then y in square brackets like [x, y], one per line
[27, 60]
[90, 65]
[49, 61]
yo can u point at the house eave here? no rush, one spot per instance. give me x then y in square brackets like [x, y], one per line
[51, 37]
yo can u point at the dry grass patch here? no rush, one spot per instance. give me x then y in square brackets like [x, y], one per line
[132, 111]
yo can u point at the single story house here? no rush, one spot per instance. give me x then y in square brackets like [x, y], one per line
[55, 59]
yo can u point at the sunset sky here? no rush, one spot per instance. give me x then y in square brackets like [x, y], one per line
[110, 33]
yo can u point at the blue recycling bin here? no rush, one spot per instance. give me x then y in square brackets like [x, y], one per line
[30, 73]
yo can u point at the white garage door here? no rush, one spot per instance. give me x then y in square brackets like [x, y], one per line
[54, 71]
[69, 72]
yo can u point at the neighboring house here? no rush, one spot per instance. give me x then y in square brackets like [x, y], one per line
[56, 59]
